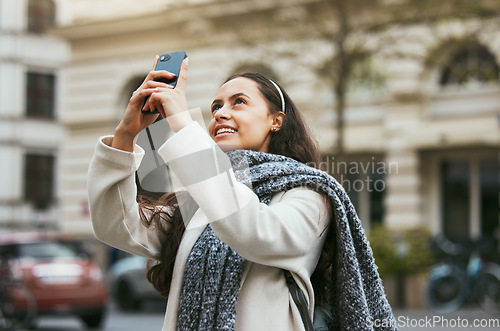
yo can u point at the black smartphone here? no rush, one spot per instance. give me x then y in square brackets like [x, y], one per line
[170, 62]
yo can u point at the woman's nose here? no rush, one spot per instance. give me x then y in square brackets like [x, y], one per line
[222, 113]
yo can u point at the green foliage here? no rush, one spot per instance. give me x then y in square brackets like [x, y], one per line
[384, 250]
[400, 252]
[419, 256]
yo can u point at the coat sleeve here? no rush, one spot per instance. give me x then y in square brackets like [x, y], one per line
[112, 198]
[282, 234]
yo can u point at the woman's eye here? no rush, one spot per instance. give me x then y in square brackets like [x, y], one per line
[239, 101]
[215, 107]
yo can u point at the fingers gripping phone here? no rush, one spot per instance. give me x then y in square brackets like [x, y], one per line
[170, 62]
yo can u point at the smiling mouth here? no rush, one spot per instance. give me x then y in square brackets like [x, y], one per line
[225, 132]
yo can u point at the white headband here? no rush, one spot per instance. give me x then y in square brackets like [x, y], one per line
[281, 96]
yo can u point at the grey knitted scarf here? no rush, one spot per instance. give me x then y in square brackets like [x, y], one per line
[213, 270]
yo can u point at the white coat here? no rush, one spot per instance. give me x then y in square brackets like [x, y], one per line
[286, 234]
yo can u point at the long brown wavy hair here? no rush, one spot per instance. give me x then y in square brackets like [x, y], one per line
[293, 140]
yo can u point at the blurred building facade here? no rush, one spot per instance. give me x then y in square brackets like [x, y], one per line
[31, 135]
[422, 120]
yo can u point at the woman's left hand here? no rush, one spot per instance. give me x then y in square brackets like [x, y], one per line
[171, 103]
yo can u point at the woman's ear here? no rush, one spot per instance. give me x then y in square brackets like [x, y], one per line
[277, 122]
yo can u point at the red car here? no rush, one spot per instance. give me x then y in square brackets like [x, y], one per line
[64, 279]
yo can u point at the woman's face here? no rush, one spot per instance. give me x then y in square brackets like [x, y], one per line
[241, 117]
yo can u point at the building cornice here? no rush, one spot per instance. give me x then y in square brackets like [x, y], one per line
[167, 18]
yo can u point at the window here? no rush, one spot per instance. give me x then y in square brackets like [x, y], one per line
[39, 177]
[490, 195]
[366, 191]
[470, 197]
[470, 67]
[455, 183]
[40, 95]
[363, 178]
[41, 15]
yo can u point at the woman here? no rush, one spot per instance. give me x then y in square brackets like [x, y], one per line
[267, 212]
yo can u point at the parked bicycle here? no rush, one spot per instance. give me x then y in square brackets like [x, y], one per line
[17, 302]
[463, 277]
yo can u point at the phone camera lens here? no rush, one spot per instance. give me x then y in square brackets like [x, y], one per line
[164, 57]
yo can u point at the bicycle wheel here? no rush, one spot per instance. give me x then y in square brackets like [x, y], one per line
[446, 289]
[18, 307]
[488, 287]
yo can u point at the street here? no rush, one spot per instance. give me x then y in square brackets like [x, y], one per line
[151, 319]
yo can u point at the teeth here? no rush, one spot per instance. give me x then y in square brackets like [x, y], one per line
[224, 130]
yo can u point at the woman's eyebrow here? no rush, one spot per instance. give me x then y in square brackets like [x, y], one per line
[234, 96]
[216, 101]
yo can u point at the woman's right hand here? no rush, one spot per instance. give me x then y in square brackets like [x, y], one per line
[134, 121]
